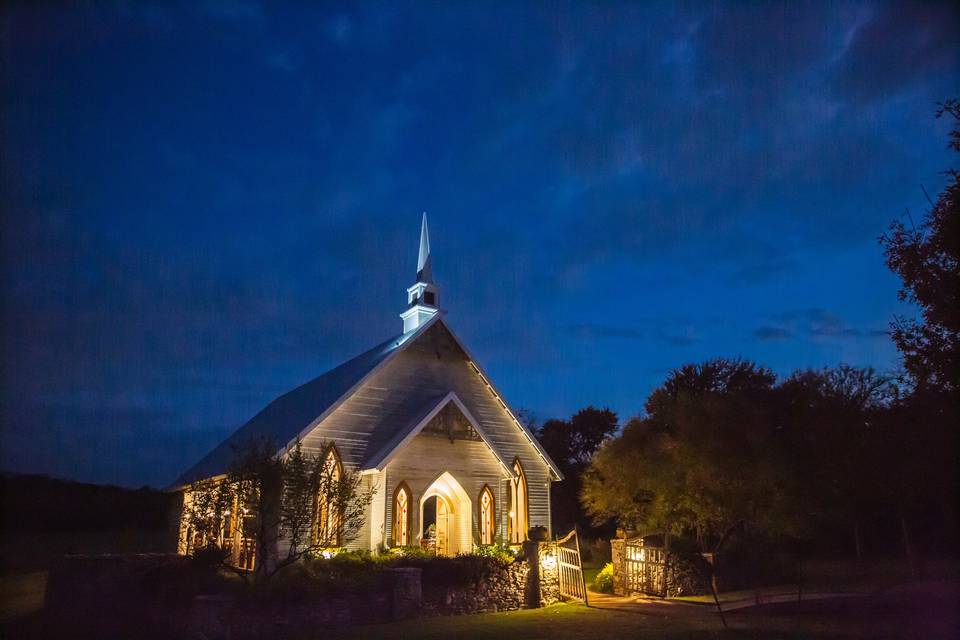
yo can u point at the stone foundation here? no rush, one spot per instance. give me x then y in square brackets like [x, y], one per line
[155, 590]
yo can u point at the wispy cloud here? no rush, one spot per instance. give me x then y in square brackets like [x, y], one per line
[772, 333]
[593, 330]
[815, 323]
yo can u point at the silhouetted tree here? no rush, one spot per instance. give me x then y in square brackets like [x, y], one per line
[831, 422]
[927, 259]
[571, 444]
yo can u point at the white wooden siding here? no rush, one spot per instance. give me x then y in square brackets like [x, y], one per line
[393, 396]
[426, 457]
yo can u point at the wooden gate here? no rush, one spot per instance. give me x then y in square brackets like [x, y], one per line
[570, 568]
[644, 568]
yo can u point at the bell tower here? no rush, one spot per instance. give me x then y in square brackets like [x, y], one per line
[423, 297]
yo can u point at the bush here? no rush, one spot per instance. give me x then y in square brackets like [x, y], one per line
[209, 556]
[462, 570]
[689, 574]
[604, 580]
[501, 552]
[596, 551]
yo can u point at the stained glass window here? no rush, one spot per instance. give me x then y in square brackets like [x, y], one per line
[401, 516]
[486, 516]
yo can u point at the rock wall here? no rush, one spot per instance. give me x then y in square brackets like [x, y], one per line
[501, 590]
[618, 556]
[117, 594]
[530, 582]
[549, 577]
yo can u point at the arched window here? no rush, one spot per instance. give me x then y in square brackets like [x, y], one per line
[402, 498]
[519, 517]
[327, 527]
[487, 523]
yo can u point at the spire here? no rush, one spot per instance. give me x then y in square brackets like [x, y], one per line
[423, 296]
[424, 266]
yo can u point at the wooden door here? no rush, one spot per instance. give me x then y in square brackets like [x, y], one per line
[443, 535]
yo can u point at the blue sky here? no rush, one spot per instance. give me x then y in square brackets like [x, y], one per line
[208, 203]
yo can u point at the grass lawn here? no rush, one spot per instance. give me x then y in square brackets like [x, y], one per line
[557, 622]
[923, 610]
[21, 594]
[925, 615]
[590, 572]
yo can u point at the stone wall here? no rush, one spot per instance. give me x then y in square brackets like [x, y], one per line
[549, 574]
[501, 590]
[119, 593]
[618, 556]
[530, 582]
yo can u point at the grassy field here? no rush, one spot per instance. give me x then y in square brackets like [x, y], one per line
[929, 616]
[21, 594]
[911, 610]
[557, 622]
[920, 611]
[33, 551]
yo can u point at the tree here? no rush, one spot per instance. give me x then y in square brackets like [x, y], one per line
[278, 496]
[927, 259]
[703, 459]
[571, 444]
[831, 421]
[633, 480]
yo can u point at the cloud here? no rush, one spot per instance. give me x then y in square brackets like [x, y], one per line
[815, 323]
[339, 28]
[248, 11]
[772, 333]
[679, 340]
[592, 330]
[900, 45]
[670, 337]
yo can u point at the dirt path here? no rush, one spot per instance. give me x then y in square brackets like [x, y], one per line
[658, 607]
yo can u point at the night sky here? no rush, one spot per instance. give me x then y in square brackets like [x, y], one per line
[206, 205]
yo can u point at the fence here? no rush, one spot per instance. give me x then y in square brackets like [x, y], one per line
[644, 568]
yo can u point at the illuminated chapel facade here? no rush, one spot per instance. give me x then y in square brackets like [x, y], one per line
[447, 461]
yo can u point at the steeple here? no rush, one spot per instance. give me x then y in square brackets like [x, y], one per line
[424, 266]
[423, 295]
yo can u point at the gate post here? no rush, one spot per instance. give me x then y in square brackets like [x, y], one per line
[532, 590]
[618, 556]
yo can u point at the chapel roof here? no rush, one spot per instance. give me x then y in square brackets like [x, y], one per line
[282, 420]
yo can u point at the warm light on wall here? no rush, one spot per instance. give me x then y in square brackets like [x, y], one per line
[548, 561]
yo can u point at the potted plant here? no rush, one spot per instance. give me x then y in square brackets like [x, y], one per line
[538, 533]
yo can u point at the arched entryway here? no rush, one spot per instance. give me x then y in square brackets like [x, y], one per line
[447, 506]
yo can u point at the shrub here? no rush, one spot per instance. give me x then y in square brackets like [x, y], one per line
[462, 570]
[604, 580]
[598, 550]
[501, 552]
[209, 556]
[689, 574]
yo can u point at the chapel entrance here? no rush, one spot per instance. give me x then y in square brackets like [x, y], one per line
[445, 517]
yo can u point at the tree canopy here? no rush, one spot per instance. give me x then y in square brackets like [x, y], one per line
[571, 444]
[927, 259]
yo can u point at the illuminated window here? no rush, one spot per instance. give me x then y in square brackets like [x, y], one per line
[487, 523]
[401, 515]
[327, 528]
[519, 517]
